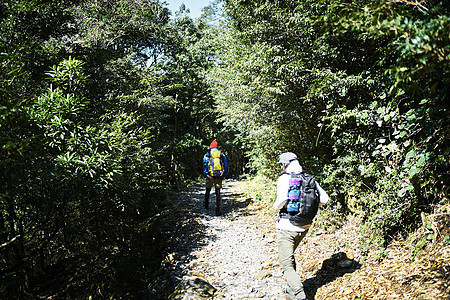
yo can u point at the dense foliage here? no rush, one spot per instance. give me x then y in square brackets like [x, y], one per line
[103, 106]
[357, 89]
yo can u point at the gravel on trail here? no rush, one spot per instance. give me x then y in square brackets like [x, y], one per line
[239, 261]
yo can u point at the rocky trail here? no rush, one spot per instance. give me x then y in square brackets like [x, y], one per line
[234, 256]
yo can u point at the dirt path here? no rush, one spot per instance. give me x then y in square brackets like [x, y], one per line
[234, 256]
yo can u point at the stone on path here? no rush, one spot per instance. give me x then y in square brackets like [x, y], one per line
[263, 274]
[193, 287]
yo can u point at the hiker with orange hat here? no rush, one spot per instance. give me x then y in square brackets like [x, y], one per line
[215, 169]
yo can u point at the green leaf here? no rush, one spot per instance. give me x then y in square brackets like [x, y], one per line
[402, 192]
[447, 239]
[421, 161]
[413, 171]
[410, 154]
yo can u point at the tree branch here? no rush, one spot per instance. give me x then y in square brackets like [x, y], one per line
[9, 242]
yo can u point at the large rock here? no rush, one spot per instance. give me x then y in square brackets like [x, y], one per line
[193, 287]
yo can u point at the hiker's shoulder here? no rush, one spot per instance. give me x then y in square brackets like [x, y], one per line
[284, 176]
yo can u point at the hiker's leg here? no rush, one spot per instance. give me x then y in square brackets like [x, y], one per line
[287, 242]
[218, 186]
[217, 201]
[209, 184]
[208, 191]
[297, 241]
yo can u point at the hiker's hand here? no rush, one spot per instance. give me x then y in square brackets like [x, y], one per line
[209, 177]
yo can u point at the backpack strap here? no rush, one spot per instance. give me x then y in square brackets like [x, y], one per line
[283, 211]
[210, 158]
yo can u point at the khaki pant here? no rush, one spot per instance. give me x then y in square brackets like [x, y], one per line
[288, 241]
[216, 182]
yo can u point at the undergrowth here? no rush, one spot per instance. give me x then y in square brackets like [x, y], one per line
[332, 216]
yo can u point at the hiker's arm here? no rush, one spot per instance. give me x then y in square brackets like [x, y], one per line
[322, 194]
[225, 166]
[282, 192]
[205, 165]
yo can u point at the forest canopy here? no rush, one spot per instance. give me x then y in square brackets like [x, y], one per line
[107, 105]
[357, 89]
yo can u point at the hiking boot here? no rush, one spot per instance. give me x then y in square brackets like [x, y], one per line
[287, 290]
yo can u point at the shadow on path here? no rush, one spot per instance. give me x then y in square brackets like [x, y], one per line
[183, 230]
[231, 203]
[332, 268]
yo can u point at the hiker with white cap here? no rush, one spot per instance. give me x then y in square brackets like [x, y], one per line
[298, 199]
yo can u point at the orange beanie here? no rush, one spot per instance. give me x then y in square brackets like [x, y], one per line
[213, 144]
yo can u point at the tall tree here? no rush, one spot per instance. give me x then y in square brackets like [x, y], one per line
[90, 91]
[356, 89]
